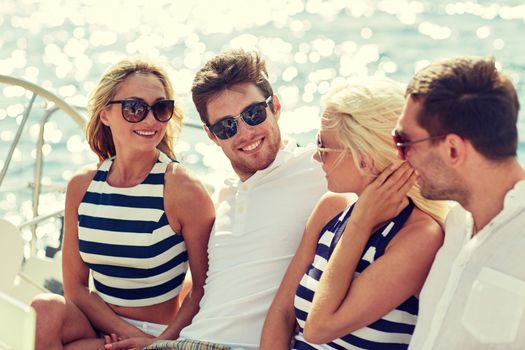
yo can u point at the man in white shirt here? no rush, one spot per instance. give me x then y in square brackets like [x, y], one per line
[458, 130]
[262, 213]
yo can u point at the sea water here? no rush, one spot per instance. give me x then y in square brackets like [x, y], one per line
[65, 46]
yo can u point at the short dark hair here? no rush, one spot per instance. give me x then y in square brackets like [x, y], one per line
[225, 70]
[469, 97]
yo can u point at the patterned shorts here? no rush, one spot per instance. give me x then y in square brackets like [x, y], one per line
[185, 344]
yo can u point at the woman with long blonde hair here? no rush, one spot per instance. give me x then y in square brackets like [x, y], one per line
[130, 222]
[355, 278]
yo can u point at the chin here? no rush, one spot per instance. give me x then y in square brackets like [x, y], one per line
[340, 188]
[334, 188]
[429, 193]
[260, 163]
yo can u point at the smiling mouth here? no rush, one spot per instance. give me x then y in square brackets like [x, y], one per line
[145, 133]
[252, 146]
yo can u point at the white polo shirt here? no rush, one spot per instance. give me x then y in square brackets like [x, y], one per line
[474, 296]
[259, 224]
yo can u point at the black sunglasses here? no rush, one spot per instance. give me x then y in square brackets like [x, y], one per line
[252, 115]
[402, 143]
[135, 111]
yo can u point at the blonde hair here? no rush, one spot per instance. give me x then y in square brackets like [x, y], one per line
[363, 112]
[99, 135]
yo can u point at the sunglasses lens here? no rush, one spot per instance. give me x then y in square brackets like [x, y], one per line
[163, 110]
[134, 111]
[254, 115]
[319, 146]
[398, 142]
[225, 128]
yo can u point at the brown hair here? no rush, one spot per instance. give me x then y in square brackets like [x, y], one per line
[99, 135]
[469, 97]
[225, 70]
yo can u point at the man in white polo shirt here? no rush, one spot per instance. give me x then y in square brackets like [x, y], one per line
[458, 130]
[262, 212]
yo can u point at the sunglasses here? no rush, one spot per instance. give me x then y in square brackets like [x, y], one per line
[252, 115]
[321, 149]
[403, 144]
[135, 111]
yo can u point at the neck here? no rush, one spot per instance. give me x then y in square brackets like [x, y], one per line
[130, 168]
[487, 192]
[361, 184]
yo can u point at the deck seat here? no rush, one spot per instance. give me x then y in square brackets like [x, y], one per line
[17, 324]
[11, 255]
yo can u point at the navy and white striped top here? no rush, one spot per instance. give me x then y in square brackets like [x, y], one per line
[124, 237]
[394, 330]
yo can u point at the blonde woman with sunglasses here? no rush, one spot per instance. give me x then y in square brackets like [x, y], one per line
[355, 278]
[130, 223]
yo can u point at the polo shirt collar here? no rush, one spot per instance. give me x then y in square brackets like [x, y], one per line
[515, 198]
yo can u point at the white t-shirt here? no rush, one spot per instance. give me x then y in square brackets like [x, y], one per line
[259, 224]
[474, 296]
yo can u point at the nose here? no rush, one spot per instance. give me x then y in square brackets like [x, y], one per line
[243, 128]
[317, 157]
[149, 116]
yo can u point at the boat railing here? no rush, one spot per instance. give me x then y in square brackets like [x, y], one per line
[58, 104]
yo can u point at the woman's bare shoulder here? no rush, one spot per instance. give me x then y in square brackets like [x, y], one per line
[79, 182]
[329, 205]
[185, 193]
[180, 181]
[423, 226]
[84, 175]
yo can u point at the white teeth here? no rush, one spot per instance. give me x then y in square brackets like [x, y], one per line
[145, 133]
[252, 146]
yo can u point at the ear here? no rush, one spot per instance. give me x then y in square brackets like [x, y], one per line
[366, 163]
[456, 149]
[104, 117]
[276, 107]
[211, 136]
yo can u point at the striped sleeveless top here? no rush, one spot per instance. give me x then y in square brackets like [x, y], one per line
[124, 237]
[394, 330]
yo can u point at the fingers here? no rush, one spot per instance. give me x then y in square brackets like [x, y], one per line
[393, 178]
[407, 183]
[383, 197]
[404, 181]
[381, 178]
[112, 341]
[119, 343]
